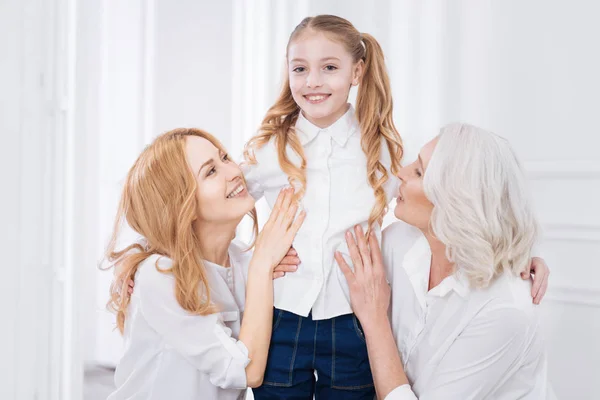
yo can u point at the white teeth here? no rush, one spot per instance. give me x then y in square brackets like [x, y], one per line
[315, 98]
[235, 192]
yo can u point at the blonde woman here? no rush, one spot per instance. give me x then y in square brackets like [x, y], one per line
[462, 322]
[183, 328]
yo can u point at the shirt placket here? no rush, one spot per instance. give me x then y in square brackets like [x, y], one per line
[323, 153]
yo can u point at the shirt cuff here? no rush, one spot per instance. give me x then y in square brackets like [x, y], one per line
[236, 373]
[403, 392]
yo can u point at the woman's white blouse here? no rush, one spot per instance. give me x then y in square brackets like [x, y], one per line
[338, 196]
[456, 342]
[171, 354]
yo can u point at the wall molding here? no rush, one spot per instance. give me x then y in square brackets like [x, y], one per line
[575, 295]
[572, 232]
[581, 169]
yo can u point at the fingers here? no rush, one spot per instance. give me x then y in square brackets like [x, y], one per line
[292, 252]
[289, 216]
[525, 275]
[130, 287]
[541, 293]
[291, 233]
[285, 268]
[350, 278]
[285, 205]
[362, 246]
[539, 276]
[354, 253]
[277, 207]
[538, 281]
[376, 257]
[290, 260]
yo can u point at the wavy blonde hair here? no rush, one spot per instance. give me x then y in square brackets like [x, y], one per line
[373, 111]
[159, 202]
[482, 210]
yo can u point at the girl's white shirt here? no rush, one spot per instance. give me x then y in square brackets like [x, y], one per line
[338, 196]
[172, 354]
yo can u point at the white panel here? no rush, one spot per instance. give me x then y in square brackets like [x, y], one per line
[572, 339]
[528, 71]
[26, 121]
[11, 41]
[121, 137]
[193, 66]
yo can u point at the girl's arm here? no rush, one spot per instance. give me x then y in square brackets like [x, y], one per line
[540, 272]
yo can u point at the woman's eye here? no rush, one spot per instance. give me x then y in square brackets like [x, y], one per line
[298, 70]
[211, 171]
[226, 157]
[330, 67]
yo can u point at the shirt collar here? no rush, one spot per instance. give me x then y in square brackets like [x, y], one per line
[455, 282]
[417, 264]
[340, 131]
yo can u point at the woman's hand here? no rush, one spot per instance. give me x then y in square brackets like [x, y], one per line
[540, 272]
[370, 292]
[276, 237]
[288, 264]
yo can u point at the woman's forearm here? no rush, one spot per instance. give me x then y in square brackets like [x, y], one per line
[255, 331]
[384, 357]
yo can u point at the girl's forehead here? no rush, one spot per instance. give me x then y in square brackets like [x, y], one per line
[316, 45]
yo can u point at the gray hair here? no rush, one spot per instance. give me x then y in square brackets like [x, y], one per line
[482, 210]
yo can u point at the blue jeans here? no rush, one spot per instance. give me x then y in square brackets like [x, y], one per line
[334, 348]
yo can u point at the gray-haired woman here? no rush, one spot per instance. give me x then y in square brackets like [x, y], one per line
[463, 325]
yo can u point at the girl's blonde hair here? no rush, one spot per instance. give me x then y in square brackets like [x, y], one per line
[373, 111]
[159, 202]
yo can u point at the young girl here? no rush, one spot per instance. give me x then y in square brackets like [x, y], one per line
[183, 330]
[342, 164]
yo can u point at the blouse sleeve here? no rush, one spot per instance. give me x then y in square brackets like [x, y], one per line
[203, 340]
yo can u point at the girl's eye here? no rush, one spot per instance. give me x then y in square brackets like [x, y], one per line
[211, 171]
[298, 70]
[225, 157]
[330, 67]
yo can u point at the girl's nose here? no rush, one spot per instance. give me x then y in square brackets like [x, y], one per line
[313, 79]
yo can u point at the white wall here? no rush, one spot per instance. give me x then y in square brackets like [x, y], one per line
[192, 66]
[527, 70]
[23, 158]
[523, 69]
[36, 121]
[161, 65]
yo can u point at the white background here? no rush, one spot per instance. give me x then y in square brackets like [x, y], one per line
[85, 84]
